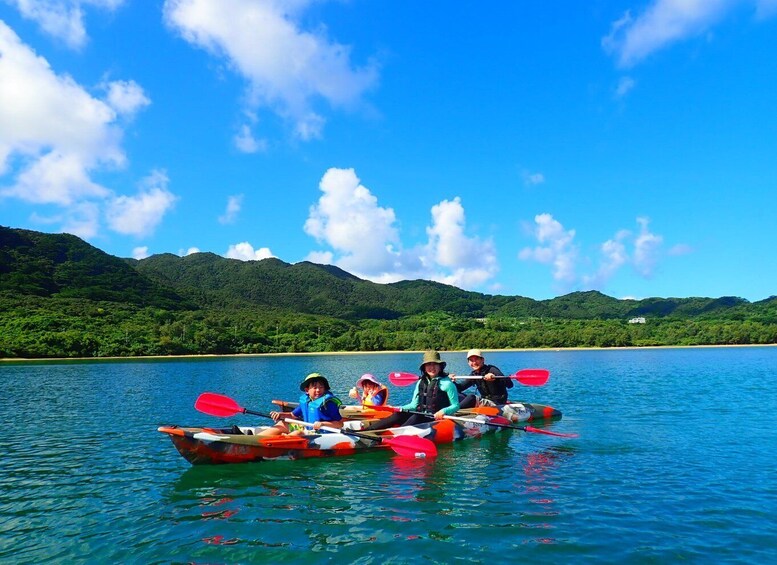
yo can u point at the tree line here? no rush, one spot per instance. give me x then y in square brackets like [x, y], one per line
[35, 327]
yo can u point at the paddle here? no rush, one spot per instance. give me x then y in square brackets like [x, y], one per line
[407, 446]
[500, 422]
[485, 410]
[528, 377]
[223, 406]
[496, 421]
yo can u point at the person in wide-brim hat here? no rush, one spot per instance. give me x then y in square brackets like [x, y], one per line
[433, 357]
[435, 397]
[367, 378]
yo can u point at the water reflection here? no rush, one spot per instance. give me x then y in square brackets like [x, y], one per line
[539, 489]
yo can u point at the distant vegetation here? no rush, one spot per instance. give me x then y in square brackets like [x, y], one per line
[61, 297]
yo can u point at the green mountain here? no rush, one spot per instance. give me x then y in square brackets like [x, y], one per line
[215, 282]
[45, 265]
[61, 297]
[33, 263]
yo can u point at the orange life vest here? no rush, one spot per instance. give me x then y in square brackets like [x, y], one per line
[367, 398]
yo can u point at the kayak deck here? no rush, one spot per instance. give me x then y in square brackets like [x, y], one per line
[514, 411]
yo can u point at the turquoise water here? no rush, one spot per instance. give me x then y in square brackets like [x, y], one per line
[675, 462]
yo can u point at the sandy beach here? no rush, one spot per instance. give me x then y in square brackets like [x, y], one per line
[333, 353]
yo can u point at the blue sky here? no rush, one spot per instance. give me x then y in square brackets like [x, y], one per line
[521, 148]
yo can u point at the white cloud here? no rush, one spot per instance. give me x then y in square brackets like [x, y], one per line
[234, 204]
[646, 249]
[140, 214]
[50, 123]
[82, 220]
[556, 247]
[347, 218]
[288, 69]
[56, 178]
[246, 142]
[366, 243]
[245, 252]
[665, 22]
[140, 252]
[126, 97]
[614, 256]
[532, 179]
[558, 250]
[54, 136]
[62, 19]
[471, 260]
[320, 257]
[189, 251]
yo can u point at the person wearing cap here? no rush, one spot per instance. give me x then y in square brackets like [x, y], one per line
[317, 406]
[435, 395]
[491, 389]
[373, 393]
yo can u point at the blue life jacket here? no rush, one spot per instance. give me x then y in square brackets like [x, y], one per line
[311, 409]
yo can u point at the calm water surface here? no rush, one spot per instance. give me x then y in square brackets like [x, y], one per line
[675, 462]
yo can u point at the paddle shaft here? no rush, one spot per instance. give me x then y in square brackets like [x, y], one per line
[479, 377]
[255, 413]
[332, 430]
[528, 429]
[527, 377]
[406, 446]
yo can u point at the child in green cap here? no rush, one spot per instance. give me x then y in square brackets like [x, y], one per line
[317, 406]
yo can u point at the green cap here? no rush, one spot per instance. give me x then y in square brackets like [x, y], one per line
[313, 377]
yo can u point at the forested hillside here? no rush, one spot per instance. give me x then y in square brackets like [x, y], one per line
[62, 265]
[61, 297]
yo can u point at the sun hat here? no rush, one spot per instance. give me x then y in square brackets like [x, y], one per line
[367, 377]
[313, 377]
[474, 353]
[432, 357]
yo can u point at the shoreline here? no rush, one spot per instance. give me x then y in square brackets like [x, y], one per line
[332, 353]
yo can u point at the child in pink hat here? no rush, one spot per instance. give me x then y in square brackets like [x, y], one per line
[373, 392]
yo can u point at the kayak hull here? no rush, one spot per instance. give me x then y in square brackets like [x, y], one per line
[209, 446]
[529, 412]
[215, 446]
[203, 446]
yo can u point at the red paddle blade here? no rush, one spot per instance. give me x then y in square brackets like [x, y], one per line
[412, 446]
[532, 377]
[403, 379]
[217, 405]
